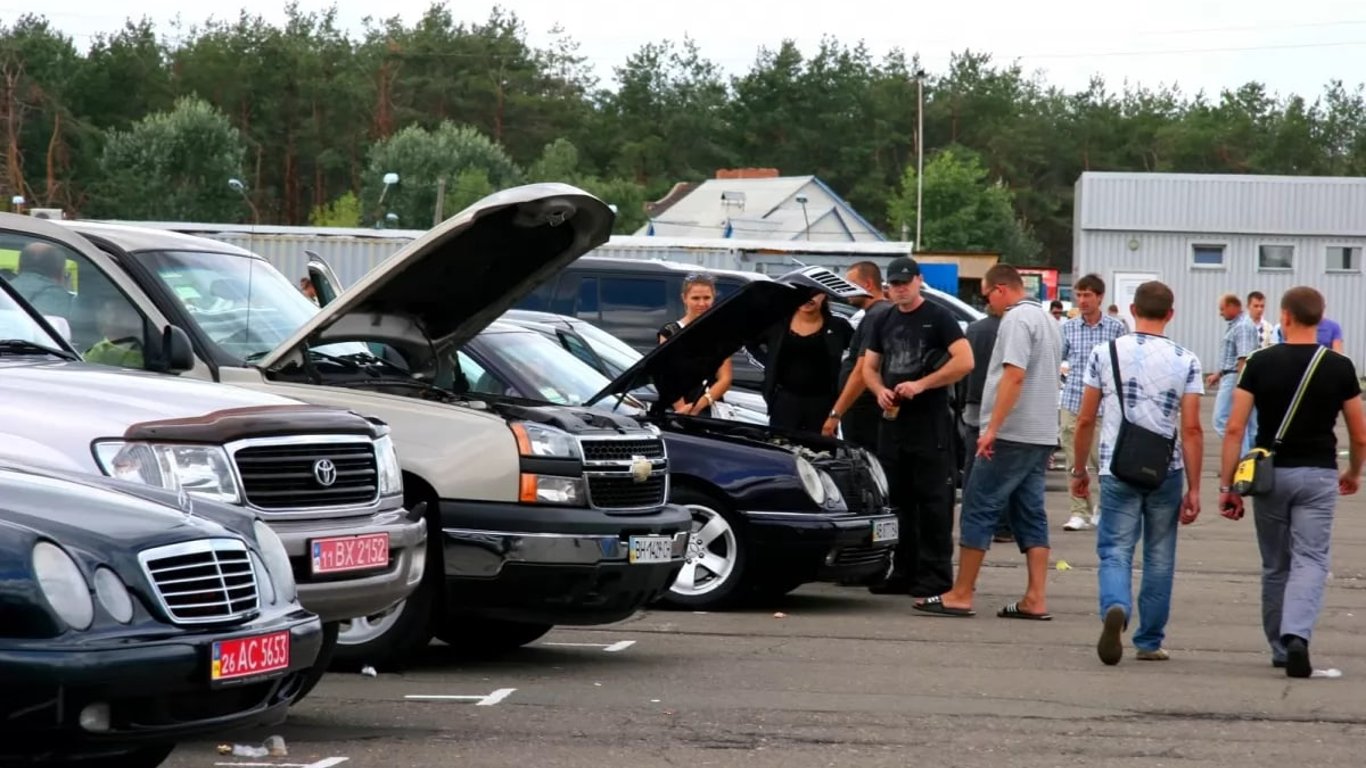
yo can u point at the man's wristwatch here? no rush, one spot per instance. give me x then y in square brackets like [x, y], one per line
[1078, 472]
[1226, 489]
[835, 415]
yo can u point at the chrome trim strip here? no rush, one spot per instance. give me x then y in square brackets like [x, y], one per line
[304, 513]
[542, 548]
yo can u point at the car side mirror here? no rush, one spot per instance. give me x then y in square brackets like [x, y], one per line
[177, 353]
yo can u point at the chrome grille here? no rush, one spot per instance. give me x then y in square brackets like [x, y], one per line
[609, 478]
[286, 475]
[202, 582]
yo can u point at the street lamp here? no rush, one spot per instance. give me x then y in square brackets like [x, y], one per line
[390, 179]
[238, 186]
[801, 200]
[919, 154]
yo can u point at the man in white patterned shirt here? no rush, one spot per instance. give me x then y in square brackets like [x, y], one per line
[1256, 312]
[1161, 391]
[1079, 336]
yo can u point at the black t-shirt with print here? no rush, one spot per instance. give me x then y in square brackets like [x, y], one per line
[1272, 375]
[912, 345]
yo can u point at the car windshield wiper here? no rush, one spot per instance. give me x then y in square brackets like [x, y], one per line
[26, 347]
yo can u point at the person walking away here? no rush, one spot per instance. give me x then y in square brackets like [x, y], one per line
[1298, 388]
[915, 351]
[1080, 336]
[699, 293]
[981, 335]
[1256, 312]
[1021, 394]
[801, 359]
[1162, 386]
[856, 411]
[1240, 340]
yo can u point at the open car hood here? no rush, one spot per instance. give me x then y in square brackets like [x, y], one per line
[449, 284]
[693, 354]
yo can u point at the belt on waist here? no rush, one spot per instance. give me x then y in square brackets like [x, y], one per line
[1231, 370]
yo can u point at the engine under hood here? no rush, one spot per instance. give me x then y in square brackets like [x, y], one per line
[449, 284]
[693, 354]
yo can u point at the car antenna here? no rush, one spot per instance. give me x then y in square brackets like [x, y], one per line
[240, 187]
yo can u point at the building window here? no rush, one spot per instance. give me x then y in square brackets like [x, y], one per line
[1275, 257]
[1343, 258]
[1207, 256]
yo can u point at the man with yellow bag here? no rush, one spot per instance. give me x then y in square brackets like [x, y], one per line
[1298, 389]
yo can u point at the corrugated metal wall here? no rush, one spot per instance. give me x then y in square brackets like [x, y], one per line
[350, 257]
[1197, 324]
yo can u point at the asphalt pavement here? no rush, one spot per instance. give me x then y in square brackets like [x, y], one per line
[835, 676]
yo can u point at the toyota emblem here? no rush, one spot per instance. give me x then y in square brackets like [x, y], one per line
[325, 472]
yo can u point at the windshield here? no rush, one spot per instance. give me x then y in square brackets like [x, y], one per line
[243, 304]
[17, 324]
[615, 353]
[540, 369]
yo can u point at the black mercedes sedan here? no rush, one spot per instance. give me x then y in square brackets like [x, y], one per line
[132, 618]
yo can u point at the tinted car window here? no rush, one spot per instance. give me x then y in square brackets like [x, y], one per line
[566, 292]
[635, 307]
[587, 307]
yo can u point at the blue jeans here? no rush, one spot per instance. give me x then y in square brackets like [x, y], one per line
[1154, 515]
[1012, 482]
[1223, 407]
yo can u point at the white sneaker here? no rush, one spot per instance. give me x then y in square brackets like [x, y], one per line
[1095, 519]
[1076, 523]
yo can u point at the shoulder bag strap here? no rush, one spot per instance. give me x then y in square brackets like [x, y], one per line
[1299, 394]
[1119, 385]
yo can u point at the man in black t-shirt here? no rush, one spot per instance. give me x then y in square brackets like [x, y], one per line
[1295, 520]
[914, 352]
[856, 409]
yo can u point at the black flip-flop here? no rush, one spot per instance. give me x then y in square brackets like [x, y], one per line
[935, 607]
[1013, 611]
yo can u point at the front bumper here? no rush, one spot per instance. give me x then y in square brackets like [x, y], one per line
[801, 546]
[157, 689]
[346, 595]
[554, 565]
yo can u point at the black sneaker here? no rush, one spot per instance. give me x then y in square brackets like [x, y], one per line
[1297, 657]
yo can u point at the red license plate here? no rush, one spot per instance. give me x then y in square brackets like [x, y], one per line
[350, 553]
[249, 656]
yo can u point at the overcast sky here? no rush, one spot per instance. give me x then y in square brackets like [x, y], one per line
[1292, 47]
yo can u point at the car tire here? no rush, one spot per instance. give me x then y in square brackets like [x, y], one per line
[478, 636]
[142, 757]
[714, 574]
[321, 664]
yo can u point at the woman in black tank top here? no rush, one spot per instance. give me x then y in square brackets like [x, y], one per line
[699, 293]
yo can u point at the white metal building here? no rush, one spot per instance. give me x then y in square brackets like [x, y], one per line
[1208, 234]
[772, 208]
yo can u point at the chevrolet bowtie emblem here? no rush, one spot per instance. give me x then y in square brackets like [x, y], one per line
[641, 468]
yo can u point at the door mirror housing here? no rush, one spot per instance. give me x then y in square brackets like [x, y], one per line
[177, 352]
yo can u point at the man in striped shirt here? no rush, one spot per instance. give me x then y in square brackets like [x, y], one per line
[1080, 335]
[1240, 340]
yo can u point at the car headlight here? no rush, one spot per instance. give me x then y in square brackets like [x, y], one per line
[879, 474]
[264, 579]
[277, 561]
[63, 585]
[811, 481]
[203, 470]
[543, 441]
[113, 595]
[390, 474]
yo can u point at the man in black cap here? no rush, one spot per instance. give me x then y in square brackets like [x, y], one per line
[914, 353]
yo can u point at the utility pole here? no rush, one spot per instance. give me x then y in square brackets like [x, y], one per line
[440, 201]
[919, 154]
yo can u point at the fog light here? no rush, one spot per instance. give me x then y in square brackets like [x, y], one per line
[417, 565]
[830, 558]
[95, 718]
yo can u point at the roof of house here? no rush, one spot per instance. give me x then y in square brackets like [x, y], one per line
[751, 208]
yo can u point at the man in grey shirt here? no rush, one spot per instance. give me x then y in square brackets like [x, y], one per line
[1021, 396]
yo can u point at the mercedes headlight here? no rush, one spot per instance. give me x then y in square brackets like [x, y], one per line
[879, 474]
[203, 470]
[390, 474]
[811, 480]
[277, 561]
[543, 441]
[63, 585]
[113, 595]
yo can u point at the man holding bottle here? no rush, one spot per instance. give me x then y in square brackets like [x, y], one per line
[915, 351]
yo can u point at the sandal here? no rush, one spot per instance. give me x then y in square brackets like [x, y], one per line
[1013, 611]
[935, 607]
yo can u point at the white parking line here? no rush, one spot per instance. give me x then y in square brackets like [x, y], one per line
[326, 762]
[479, 701]
[616, 647]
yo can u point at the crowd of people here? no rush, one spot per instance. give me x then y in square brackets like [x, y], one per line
[1121, 400]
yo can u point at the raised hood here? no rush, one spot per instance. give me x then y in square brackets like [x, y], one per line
[465, 272]
[692, 355]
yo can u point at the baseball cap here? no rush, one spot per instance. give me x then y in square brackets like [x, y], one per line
[902, 268]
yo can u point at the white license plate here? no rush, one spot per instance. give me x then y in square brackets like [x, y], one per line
[885, 530]
[651, 549]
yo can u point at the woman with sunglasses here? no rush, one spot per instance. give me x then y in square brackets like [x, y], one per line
[699, 293]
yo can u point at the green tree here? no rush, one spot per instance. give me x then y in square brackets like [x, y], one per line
[422, 158]
[965, 210]
[173, 165]
[342, 212]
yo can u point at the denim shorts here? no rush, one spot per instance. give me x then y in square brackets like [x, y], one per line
[1013, 479]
